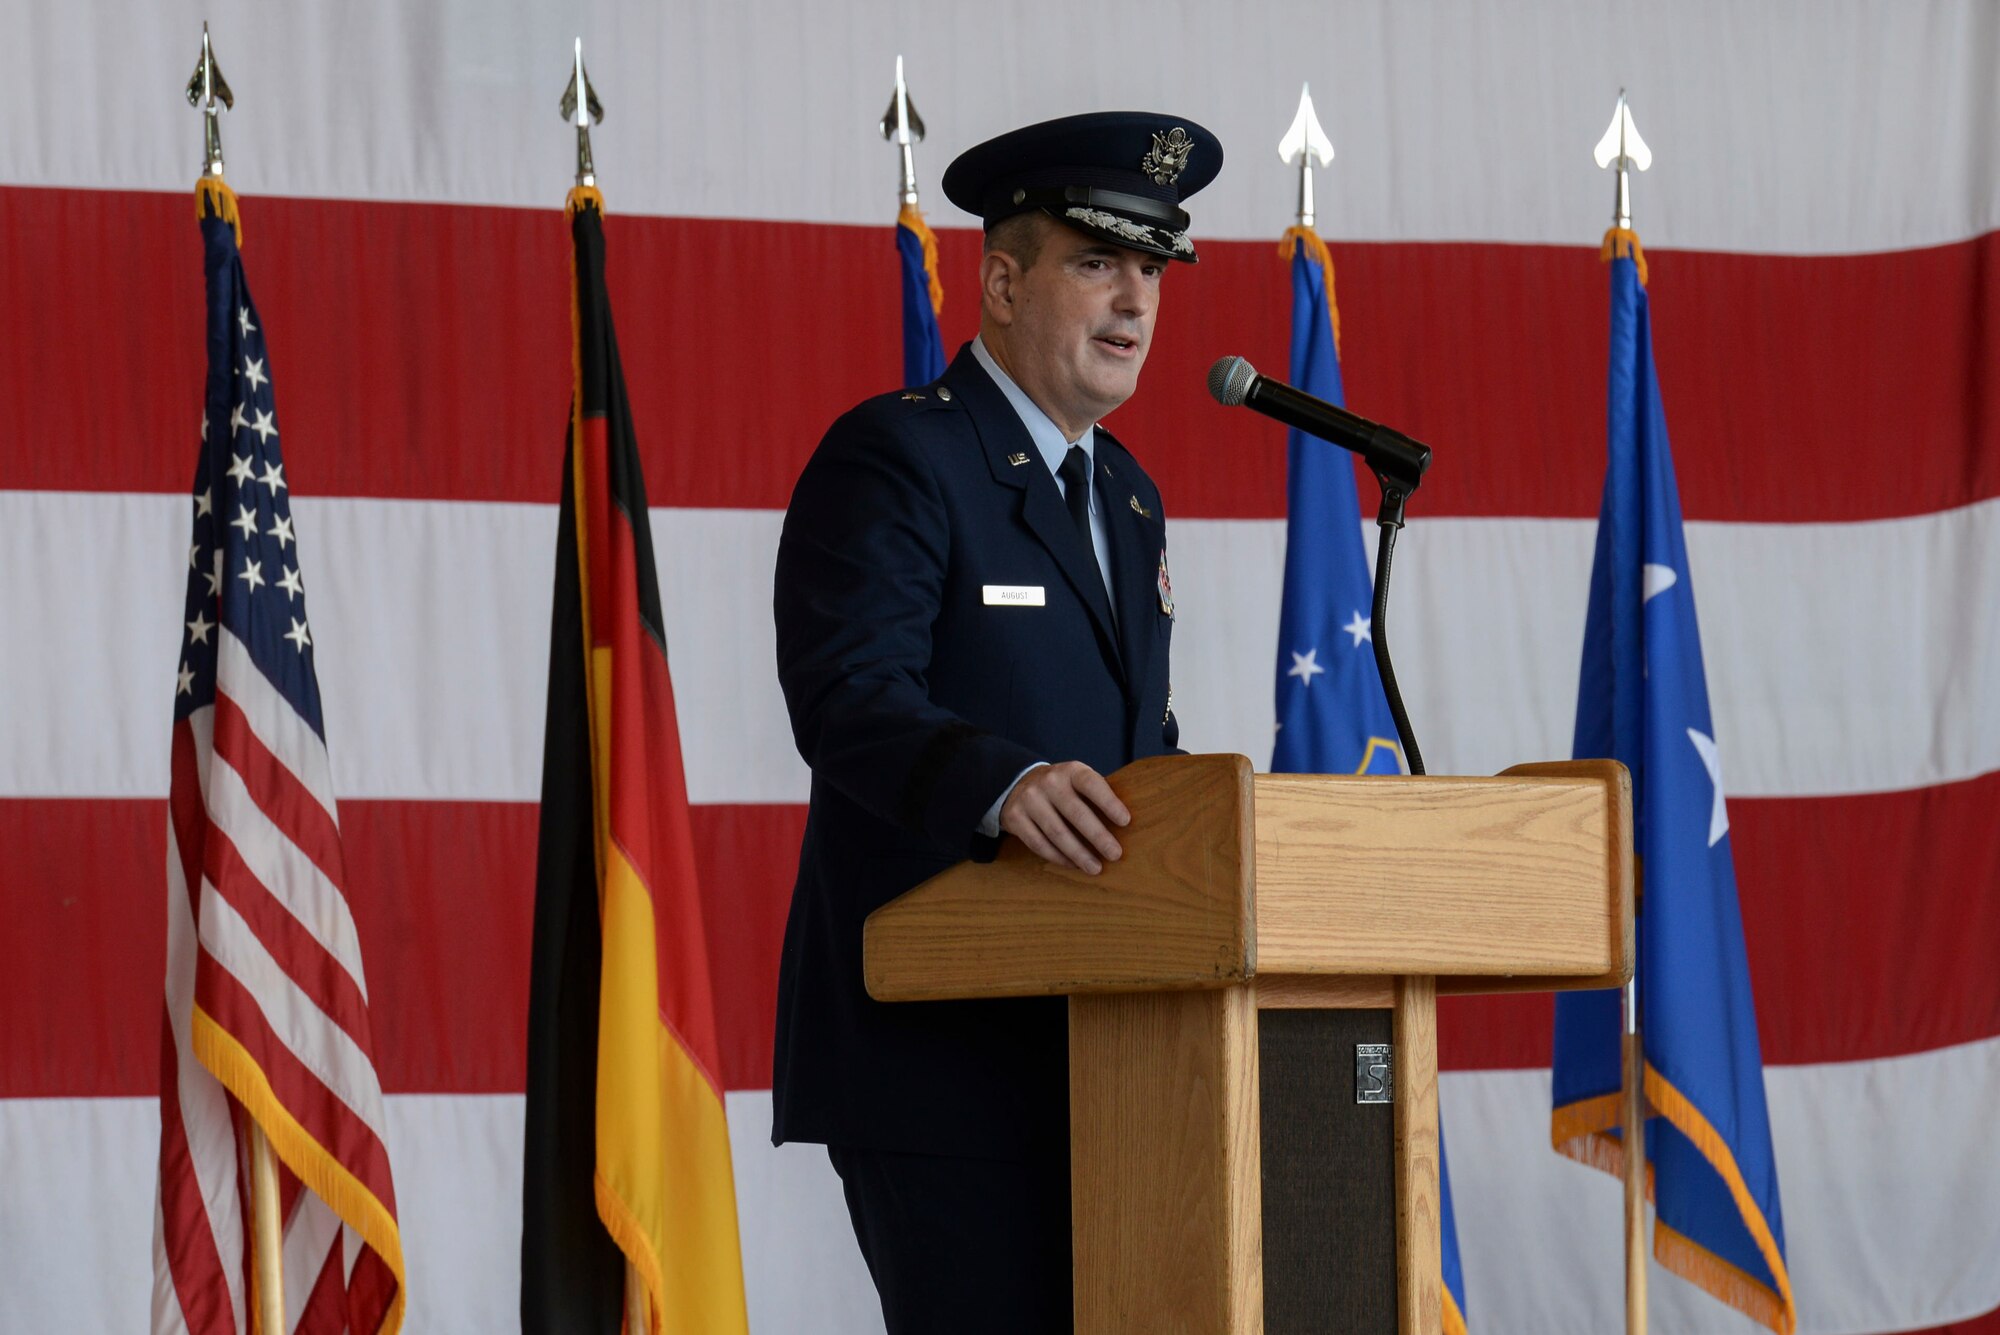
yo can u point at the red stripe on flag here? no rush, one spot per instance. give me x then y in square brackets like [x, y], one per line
[192, 1259]
[325, 1310]
[321, 977]
[304, 1095]
[371, 1287]
[1783, 376]
[1866, 918]
[1989, 1324]
[285, 801]
[188, 815]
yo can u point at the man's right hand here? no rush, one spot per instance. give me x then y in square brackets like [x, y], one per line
[1061, 813]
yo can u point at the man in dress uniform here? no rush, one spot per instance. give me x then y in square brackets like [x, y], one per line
[973, 612]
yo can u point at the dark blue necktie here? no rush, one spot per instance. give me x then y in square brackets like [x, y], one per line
[1075, 474]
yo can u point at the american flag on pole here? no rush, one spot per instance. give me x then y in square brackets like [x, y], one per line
[266, 1003]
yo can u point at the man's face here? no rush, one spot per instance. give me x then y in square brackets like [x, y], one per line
[1079, 323]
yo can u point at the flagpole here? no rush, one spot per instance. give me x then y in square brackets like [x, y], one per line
[1622, 150]
[581, 108]
[267, 1244]
[903, 127]
[208, 92]
[1634, 1127]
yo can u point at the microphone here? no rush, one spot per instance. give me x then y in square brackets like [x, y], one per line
[1393, 456]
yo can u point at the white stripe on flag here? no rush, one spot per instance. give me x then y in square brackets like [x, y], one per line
[1868, 117]
[1864, 1150]
[312, 1231]
[204, 1105]
[1842, 658]
[167, 1317]
[306, 1031]
[281, 728]
[292, 878]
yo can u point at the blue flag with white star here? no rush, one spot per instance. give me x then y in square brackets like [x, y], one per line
[1333, 717]
[1643, 700]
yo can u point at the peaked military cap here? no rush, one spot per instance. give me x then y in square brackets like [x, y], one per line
[1116, 175]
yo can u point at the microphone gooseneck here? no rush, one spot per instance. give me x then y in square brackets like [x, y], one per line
[1398, 463]
[1390, 455]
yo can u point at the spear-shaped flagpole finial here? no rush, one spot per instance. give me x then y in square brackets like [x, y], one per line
[1307, 145]
[1623, 149]
[209, 92]
[580, 107]
[903, 127]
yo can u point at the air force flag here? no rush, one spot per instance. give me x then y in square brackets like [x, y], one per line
[1643, 700]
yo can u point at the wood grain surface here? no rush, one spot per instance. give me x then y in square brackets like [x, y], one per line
[1324, 992]
[1176, 910]
[1515, 875]
[1166, 1179]
[1419, 1238]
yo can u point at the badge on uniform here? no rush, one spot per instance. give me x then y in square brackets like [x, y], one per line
[1013, 595]
[1166, 586]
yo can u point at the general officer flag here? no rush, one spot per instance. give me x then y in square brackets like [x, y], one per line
[923, 298]
[628, 1164]
[1333, 717]
[1643, 700]
[267, 1015]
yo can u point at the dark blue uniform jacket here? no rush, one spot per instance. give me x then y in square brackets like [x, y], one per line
[916, 702]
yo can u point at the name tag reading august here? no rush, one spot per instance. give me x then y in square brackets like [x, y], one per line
[1013, 595]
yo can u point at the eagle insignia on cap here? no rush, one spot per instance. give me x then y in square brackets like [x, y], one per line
[1168, 157]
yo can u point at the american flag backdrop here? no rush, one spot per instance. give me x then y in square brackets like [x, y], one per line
[1822, 225]
[267, 1003]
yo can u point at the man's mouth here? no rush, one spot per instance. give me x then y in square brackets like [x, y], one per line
[1119, 342]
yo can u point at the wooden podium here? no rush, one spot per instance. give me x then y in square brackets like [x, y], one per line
[1293, 919]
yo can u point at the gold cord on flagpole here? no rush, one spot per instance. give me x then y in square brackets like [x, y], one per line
[266, 1237]
[208, 92]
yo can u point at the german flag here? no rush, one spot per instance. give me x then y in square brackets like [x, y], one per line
[628, 1178]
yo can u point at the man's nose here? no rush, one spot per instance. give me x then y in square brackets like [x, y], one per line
[1134, 295]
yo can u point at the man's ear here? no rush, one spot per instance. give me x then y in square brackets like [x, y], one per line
[999, 279]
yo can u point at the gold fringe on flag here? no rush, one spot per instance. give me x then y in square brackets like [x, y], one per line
[1454, 1320]
[1296, 236]
[1580, 1131]
[1623, 243]
[580, 195]
[311, 1162]
[914, 220]
[214, 199]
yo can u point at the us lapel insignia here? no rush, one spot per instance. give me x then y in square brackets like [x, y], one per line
[1017, 459]
[1140, 510]
[911, 396]
[1166, 586]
